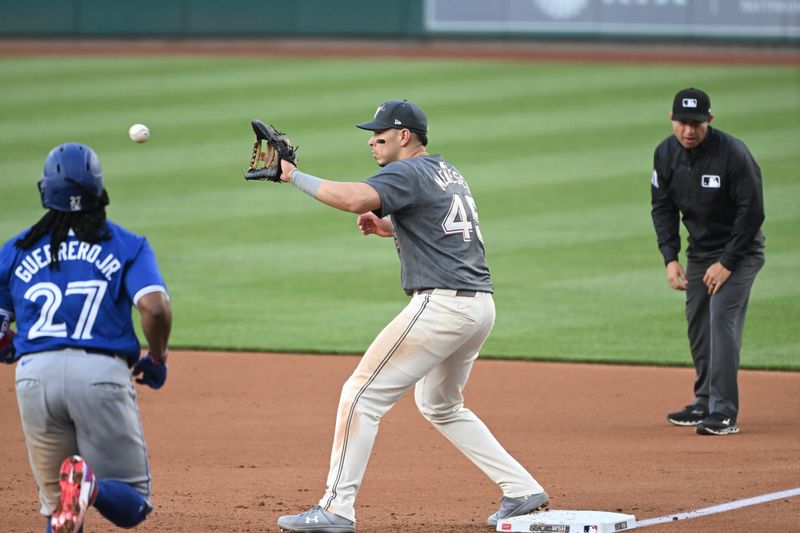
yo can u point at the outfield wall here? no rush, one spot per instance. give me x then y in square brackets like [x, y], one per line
[729, 20]
[195, 18]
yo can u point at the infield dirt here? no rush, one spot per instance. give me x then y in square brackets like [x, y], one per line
[237, 439]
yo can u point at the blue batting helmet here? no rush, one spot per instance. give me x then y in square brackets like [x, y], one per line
[72, 179]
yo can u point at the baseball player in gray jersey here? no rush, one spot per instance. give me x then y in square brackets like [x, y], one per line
[426, 205]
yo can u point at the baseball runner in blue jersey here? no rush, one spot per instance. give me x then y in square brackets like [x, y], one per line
[70, 282]
[426, 205]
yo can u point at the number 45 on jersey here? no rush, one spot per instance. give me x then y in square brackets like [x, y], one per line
[458, 221]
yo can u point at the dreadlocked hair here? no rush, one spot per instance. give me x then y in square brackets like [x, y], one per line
[89, 226]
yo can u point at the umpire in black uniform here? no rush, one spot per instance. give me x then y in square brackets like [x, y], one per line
[710, 179]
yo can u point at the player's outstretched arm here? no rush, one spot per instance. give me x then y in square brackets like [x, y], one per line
[351, 196]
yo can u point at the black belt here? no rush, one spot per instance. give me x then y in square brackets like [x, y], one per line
[459, 292]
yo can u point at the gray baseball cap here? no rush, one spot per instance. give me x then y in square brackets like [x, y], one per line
[398, 114]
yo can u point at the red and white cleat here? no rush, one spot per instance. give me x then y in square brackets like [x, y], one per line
[78, 491]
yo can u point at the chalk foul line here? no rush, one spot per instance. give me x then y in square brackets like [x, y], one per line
[730, 506]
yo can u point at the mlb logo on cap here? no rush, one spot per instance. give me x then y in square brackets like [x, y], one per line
[691, 104]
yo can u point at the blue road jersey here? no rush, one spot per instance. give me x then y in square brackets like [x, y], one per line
[87, 302]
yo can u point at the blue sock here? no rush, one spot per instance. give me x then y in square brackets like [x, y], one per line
[120, 503]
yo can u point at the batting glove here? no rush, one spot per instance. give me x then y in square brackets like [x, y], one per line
[154, 374]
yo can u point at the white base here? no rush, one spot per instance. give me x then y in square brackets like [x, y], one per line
[561, 521]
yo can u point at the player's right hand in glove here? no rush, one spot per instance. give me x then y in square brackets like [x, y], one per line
[287, 167]
[154, 373]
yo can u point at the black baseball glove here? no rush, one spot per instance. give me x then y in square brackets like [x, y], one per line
[265, 164]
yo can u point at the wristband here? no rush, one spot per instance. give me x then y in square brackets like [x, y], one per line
[162, 359]
[305, 182]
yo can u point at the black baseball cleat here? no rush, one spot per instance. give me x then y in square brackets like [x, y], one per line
[717, 424]
[691, 415]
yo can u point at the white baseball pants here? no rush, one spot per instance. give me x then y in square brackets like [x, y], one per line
[432, 343]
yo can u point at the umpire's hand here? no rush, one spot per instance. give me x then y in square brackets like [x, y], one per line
[154, 373]
[676, 277]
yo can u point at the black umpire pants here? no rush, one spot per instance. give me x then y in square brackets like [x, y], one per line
[715, 326]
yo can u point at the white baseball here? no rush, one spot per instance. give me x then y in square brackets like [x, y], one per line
[139, 133]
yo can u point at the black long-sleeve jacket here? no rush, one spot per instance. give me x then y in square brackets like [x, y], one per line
[717, 189]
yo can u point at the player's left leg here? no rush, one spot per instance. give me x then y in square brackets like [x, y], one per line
[439, 399]
[438, 396]
[110, 437]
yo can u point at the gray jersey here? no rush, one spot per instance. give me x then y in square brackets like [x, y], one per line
[435, 223]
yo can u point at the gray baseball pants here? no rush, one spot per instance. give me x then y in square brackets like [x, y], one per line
[73, 402]
[715, 326]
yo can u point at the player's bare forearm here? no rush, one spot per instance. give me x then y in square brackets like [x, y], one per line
[350, 196]
[156, 316]
[353, 197]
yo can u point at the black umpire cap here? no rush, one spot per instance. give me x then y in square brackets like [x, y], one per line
[398, 114]
[691, 104]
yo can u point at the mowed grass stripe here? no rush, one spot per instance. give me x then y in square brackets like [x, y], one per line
[558, 155]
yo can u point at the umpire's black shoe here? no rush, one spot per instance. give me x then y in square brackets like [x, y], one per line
[717, 424]
[691, 415]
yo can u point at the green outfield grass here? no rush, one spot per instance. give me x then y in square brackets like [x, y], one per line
[558, 156]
